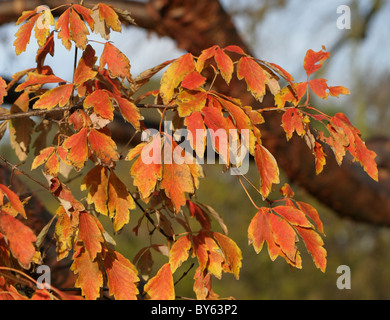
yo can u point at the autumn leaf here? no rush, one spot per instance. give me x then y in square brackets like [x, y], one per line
[120, 202]
[103, 147]
[193, 80]
[174, 75]
[90, 233]
[24, 32]
[199, 214]
[118, 64]
[320, 160]
[195, 126]
[122, 276]
[20, 238]
[64, 233]
[84, 70]
[97, 182]
[57, 96]
[287, 94]
[202, 285]
[313, 60]
[129, 111]
[293, 120]
[254, 76]
[160, 287]
[3, 90]
[224, 63]
[190, 101]
[13, 199]
[101, 103]
[78, 148]
[179, 252]
[314, 245]
[89, 275]
[312, 213]
[267, 168]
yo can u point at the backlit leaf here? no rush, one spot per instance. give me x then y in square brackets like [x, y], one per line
[84, 70]
[193, 80]
[13, 200]
[179, 252]
[174, 75]
[254, 76]
[314, 60]
[57, 96]
[160, 287]
[101, 103]
[190, 101]
[118, 64]
[292, 120]
[78, 149]
[314, 245]
[195, 125]
[103, 147]
[224, 63]
[90, 233]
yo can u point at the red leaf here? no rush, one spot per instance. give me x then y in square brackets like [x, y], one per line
[193, 80]
[78, 30]
[179, 252]
[202, 285]
[254, 76]
[174, 75]
[121, 276]
[101, 103]
[58, 96]
[314, 60]
[292, 120]
[319, 87]
[103, 147]
[78, 152]
[224, 63]
[118, 64]
[90, 233]
[84, 71]
[90, 278]
[199, 214]
[20, 238]
[160, 287]
[120, 202]
[314, 245]
[267, 168]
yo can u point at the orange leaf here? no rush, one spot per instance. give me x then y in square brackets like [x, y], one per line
[78, 30]
[64, 233]
[267, 168]
[79, 119]
[224, 63]
[288, 95]
[160, 287]
[3, 91]
[84, 70]
[103, 146]
[34, 78]
[120, 202]
[319, 87]
[312, 213]
[174, 75]
[146, 174]
[286, 191]
[193, 80]
[314, 60]
[78, 153]
[47, 48]
[129, 111]
[109, 16]
[204, 56]
[86, 14]
[202, 285]
[254, 76]
[260, 230]
[294, 216]
[58, 96]
[20, 238]
[320, 157]
[117, 63]
[195, 125]
[199, 214]
[97, 181]
[232, 254]
[121, 276]
[179, 252]
[190, 101]
[292, 120]
[337, 90]
[314, 245]
[24, 32]
[90, 278]
[235, 49]
[13, 199]
[62, 26]
[101, 103]
[90, 233]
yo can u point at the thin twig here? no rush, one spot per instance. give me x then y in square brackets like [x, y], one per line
[184, 274]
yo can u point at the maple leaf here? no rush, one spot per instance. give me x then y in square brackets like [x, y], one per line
[174, 75]
[90, 278]
[313, 60]
[78, 149]
[232, 254]
[121, 276]
[161, 287]
[193, 80]
[101, 103]
[103, 146]
[179, 252]
[57, 96]
[84, 70]
[267, 168]
[224, 63]
[20, 238]
[190, 101]
[146, 174]
[293, 120]
[91, 234]
[120, 202]
[97, 182]
[117, 63]
[13, 199]
[64, 233]
[254, 76]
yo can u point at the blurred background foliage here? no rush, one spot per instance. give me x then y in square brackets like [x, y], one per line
[278, 31]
